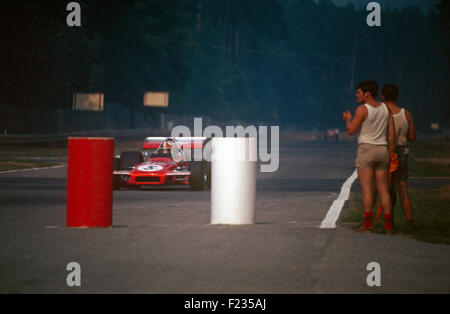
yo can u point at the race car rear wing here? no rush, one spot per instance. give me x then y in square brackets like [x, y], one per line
[183, 142]
[169, 173]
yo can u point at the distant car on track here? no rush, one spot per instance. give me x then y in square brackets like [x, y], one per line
[164, 161]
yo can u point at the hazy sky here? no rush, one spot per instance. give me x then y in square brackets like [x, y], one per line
[424, 5]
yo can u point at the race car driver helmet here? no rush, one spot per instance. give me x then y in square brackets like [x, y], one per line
[166, 148]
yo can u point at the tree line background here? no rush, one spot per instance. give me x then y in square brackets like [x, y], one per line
[281, 62]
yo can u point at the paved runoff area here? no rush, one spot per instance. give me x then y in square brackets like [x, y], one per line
[162, 240]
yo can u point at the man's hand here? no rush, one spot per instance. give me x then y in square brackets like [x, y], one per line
[347, 116]
[353, 124]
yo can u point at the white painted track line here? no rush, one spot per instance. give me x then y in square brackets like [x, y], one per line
[333, 213]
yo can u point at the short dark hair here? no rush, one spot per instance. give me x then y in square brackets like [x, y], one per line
[369, 86]
[390, 92]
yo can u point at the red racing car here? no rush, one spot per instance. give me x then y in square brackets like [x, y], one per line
[164, 161]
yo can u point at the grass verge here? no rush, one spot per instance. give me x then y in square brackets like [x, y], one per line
[13, 152]
[429, 158]
[430, 211]
[17, 165]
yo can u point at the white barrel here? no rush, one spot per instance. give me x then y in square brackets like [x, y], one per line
[233, 185]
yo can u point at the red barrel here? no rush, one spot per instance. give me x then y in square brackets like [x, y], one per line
[89, 182]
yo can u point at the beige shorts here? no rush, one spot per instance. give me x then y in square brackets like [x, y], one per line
[374, 157]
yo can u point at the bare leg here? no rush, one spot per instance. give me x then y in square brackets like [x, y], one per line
[374, 189]
[381, 177]
[393, 188]
[366, 180]
[405, 200]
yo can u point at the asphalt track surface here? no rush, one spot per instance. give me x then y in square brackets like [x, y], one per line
[162, 240]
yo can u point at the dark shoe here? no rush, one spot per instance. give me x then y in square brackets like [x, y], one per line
[363, 229]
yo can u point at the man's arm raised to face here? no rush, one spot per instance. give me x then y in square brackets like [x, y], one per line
[353, 125]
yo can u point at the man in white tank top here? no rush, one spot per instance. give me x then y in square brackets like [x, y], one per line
[405, 132]
[375, 142]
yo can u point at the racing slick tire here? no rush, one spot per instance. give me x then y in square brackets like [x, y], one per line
[116, 178]
[207, 162]
[197, 178]
[207, 173]
[130, 159]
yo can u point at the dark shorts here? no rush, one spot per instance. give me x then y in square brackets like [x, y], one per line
[401, 174]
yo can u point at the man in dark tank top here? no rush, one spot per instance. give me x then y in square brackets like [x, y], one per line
[405, 132]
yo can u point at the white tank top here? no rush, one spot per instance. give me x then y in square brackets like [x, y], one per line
[401, 122]
[374, 129]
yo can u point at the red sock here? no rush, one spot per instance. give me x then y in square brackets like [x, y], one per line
[368, 220]
[388, 222]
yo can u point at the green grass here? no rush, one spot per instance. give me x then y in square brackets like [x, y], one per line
[427, 169]
[21, 157]
[11, 152]
[438, 148]
[16, 158]
[430, 210]
[17, 165]
[420, 154]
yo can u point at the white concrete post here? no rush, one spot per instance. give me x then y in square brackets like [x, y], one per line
[233, 185]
